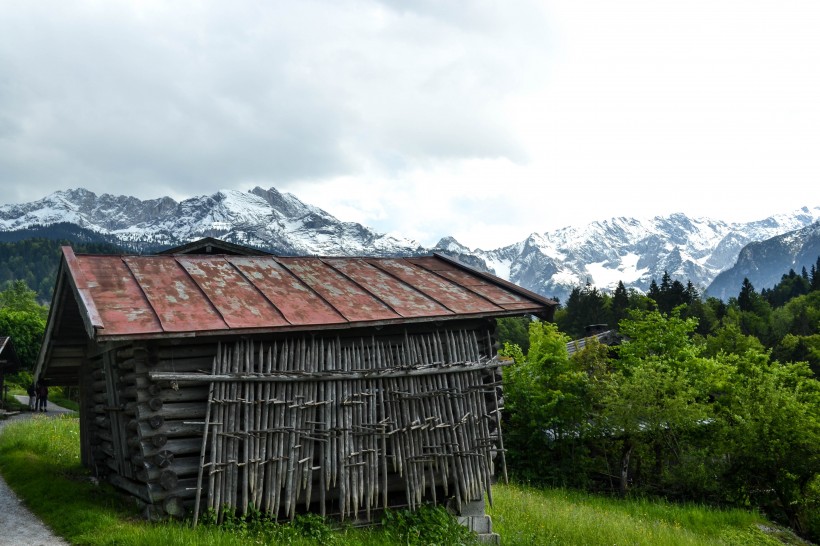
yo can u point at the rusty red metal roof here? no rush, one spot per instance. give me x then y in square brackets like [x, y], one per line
[124, 297]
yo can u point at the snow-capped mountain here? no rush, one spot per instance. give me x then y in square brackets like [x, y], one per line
[266, 219]
[631, 250]
[765, 262]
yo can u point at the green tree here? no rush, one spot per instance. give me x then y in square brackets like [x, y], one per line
[18, 297]
[23, 320]
[547, 405]
[620, 304]
[585, 306]
[658, 394]
[747, 298]
[515, 331]
[730, 340]
[814, 278]
[772, 414]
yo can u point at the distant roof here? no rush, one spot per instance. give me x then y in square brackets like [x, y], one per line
[211, 245]
[9, 363]
[113, 297]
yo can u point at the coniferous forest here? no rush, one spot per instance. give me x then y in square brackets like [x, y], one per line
[35, 261]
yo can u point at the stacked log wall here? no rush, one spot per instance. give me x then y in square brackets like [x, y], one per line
[147, 435]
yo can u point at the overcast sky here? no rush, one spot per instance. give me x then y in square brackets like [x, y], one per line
[482, 120]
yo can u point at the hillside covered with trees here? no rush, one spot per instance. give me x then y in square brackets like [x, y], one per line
[35, 261]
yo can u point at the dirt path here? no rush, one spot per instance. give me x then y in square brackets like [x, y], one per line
[18, 526]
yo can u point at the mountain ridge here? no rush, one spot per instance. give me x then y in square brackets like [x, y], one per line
[602, 253]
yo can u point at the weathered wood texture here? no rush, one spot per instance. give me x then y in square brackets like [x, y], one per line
[274, 443]
[338, 425]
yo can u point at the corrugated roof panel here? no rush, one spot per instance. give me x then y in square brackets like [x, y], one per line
[406, 300]
[492, 292]
[345, 296]
[299, 304]
[496, 294]
[175, 297]
[456, 298]
[121, 304]
[237, 300]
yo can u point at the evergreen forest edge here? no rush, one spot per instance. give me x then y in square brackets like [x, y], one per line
[704, 400]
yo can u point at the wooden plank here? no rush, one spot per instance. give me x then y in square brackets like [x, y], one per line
[404, 371]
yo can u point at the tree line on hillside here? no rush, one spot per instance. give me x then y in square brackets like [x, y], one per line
[35, 261]
[702, 400]
[784, 318]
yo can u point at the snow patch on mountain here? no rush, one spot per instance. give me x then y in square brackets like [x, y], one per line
[631, 250]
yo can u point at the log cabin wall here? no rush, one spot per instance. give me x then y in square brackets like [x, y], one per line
[339, 424]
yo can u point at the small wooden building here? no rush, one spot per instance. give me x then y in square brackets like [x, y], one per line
[335, 385]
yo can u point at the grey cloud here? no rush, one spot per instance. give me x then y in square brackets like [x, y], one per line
[130, 97]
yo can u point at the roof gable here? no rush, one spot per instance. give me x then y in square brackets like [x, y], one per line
[9, 362]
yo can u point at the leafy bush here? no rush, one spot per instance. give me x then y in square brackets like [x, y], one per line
[426, 526]
[663, 418]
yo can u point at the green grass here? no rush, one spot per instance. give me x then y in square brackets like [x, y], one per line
[10, 403]
[39, 458]
[530, 516]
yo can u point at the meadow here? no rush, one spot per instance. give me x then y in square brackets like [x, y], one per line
[40, 460]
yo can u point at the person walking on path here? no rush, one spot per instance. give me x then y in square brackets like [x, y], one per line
[32, 397]
[42, 395]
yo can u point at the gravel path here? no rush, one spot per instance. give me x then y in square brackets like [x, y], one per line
[18, 526]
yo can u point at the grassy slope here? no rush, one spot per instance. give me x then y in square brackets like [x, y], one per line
[40, 460]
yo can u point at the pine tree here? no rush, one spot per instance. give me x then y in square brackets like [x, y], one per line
[745, 299]
[654, 292]
[620, 304]
[691, 294]
[815, 275]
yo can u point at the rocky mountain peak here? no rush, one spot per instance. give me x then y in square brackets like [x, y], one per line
[631, 250]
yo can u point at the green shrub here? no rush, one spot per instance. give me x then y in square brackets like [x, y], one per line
[426, 526]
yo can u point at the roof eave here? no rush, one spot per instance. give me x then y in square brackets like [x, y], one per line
[90, 317]
[101, 337]
[550, 303]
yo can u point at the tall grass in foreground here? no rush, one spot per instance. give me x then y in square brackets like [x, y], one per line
[532, 516]
[40, 460]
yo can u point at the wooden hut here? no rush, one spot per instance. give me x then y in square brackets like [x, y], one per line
[335, 385]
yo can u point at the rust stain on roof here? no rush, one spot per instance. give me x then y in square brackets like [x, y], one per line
[496, 294]
[400, 296]
[126, 296]
[347, 297]
[118, 297]
[178, 302]
[295, 300]
[235, 297]
[453, 296]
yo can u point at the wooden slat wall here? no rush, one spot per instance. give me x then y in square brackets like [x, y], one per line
[337, 442]
[338, 447]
